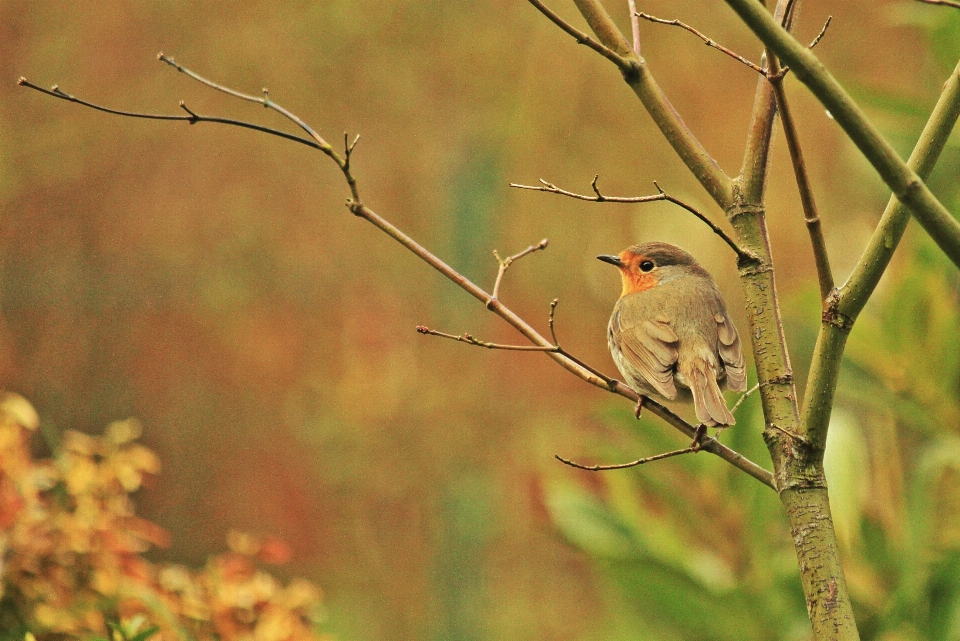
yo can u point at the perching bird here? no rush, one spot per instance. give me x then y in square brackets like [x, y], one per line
[670, 334]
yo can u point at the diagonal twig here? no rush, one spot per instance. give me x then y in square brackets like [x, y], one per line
[554, 348]
[506, 262]
[811, 215]
[468, 338]
[706, 40]
[265, 100]
[580, 36]
[621, 466]
[744, 397]
[191, 118]
[820, 35]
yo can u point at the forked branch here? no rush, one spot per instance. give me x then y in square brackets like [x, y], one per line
[581, 37]
[191, 118]
[550, 188]
[505, 264]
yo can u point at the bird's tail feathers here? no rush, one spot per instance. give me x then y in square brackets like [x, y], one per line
[708, 400]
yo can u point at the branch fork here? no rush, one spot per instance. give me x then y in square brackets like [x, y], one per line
[743, 255]
[505, 264]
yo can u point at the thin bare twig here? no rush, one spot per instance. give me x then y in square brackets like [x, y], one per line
[581, 37]
[706, 40]
[265, 100]
[467, 338]
[560, 350]
[621, 466]
[191, 118]
[343, 162]
[555, 348]
[553, 310]
[946, 3]
[550, 188]
[506, 262]
[821, 34]
[810, 214]
[360, 210]
[634, 25]
[743, 397]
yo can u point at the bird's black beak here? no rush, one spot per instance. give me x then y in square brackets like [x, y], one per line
[613, 260]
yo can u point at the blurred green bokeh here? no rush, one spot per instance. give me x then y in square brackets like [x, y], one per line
[210, 282]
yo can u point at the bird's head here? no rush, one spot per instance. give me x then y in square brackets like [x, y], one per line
[650, 264]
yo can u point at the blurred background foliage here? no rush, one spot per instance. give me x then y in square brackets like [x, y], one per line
[209, 282]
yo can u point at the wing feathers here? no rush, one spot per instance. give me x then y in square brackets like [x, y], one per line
[646, 351]
[731, 353]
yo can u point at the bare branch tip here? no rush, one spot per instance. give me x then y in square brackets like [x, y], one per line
[193, 117]
[596, 189]
[821, 34]
[589, 468]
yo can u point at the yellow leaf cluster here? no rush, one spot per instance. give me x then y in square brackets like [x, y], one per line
[71, 547]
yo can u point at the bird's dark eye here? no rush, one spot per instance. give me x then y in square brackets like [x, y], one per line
[646, 265]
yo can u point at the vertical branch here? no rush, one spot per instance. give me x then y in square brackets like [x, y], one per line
[800, 479]
[753, 171]
[748, 216]
[634, 25]
[810, 214]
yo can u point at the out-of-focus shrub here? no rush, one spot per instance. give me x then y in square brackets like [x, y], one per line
[72, 550]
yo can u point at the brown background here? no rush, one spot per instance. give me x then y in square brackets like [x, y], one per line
[209, 281]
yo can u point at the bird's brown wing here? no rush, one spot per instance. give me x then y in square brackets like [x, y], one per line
[731, 353]
[647, 346]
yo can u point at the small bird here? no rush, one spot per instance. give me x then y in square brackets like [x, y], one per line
[670, 334]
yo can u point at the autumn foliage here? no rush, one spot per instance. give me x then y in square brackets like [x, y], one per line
[72, 551]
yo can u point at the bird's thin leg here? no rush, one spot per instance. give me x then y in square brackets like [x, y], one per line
[698, 437]
[639, 408]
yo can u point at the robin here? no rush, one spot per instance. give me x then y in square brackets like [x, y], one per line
[670, 334]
